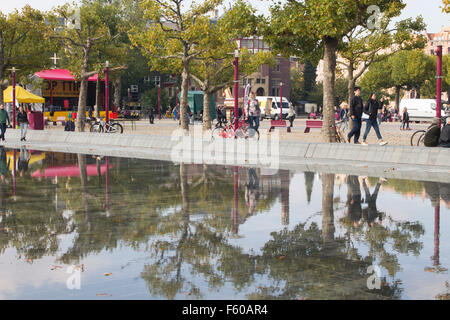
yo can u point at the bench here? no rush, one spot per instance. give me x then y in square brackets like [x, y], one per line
[313, 124]
[278, 124]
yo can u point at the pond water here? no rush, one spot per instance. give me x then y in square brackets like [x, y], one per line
[86, 227]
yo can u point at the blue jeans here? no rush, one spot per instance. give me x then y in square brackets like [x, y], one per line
[356, 131]
[369, 124]
[254, 119]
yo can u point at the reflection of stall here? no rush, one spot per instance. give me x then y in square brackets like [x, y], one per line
[35, 157]
[69, 171]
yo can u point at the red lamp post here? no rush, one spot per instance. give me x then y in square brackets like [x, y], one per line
[281, 100]
[439, 83]
[14, 96]
[107, 91]
[159, 101]
[236, 88]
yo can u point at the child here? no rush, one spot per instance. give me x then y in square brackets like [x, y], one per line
[405, 120]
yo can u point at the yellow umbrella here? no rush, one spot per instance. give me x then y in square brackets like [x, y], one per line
[22, 96]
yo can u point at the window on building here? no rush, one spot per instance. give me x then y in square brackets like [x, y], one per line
[258, 80]
[276, 68]
[263, 81]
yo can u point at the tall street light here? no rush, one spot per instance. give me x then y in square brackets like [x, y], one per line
[438, 83]
[281, 100]
[107, 91]
[13, 75]
[236, 87]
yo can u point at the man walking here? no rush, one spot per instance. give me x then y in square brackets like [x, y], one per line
[3, 117]
[151, 115]
[356, 109]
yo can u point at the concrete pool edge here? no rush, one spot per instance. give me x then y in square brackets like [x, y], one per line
[401, 162]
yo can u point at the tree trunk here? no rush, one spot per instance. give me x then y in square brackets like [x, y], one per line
[329, 58]
[206, 113]
[328, 228]
[117, 91]
[81, 114]
[184, 98]
[351, 88]
[397, 97]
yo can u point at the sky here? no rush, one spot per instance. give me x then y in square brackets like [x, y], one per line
[429, 9]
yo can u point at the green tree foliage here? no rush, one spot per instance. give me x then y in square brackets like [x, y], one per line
[403, 70]
[174, 38]
[22, 45]
[316, 28]
[86, 47]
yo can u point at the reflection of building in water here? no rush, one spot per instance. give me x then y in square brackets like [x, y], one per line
[309, 183]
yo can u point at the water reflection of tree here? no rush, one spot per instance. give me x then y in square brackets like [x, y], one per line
[311, 263]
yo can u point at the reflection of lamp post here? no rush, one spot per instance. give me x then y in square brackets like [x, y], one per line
[236, 87]
[107, 91]
[107, 184]
[235, 210]
[439, 83]
[436, 265]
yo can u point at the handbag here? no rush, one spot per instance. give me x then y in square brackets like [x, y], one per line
[365, 116]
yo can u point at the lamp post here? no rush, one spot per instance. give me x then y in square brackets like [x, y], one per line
[236, 87]
[281, 100]
[439, 83]
[159, 101]
[13, 75]
[107, 91]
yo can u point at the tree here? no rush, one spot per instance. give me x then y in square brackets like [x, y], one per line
[403, 70]
[361, 47]
[316, 28]
[174, 38]
[213, 70]
[22, 45]
[81, 44]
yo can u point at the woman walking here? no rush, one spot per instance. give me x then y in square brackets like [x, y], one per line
[371, 108]
[405, 120]
[22, 120]
[253, 112]
[291, 114]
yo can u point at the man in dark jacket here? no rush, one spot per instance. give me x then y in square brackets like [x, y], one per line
[444, 139]
[151, 115]
[3, 118]
[356, 109]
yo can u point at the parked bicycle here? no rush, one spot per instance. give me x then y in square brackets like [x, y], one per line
[243, 131]
[99, 125]
[418, 137]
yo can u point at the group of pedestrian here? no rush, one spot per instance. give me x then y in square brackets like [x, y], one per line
[22, 120]
[368, 113]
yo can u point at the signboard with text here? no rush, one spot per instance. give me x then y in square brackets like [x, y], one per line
[62, 89]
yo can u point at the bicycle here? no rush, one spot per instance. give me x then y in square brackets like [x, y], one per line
[418, 137]
[227, 131]
[98, 125]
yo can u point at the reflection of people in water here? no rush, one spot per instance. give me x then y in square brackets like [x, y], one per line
[371, 213]
[3, 164]
[24, 160]
[354, 204]
[252, 190]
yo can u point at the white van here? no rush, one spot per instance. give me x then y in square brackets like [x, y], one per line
[419, 109]
[270, 107]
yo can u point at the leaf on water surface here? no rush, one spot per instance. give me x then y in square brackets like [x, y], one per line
[104, 295]
[56, 267]
[108, 274]
[281, 257]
